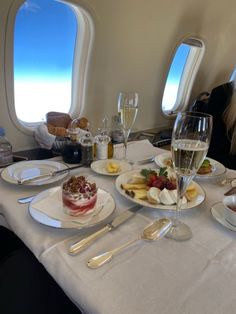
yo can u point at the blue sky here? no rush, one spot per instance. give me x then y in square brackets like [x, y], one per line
[178, 63]
[45, 33]
[44, 39]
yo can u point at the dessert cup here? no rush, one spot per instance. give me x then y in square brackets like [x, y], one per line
[79, 196]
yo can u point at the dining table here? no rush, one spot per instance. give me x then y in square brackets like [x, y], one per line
[163, 276]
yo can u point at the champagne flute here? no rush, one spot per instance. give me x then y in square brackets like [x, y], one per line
[190, 142]
[128, 109]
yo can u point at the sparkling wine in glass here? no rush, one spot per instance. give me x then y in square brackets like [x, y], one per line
[128, 109]
[190, 142]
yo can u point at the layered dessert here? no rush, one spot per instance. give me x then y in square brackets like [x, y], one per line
[79, 196]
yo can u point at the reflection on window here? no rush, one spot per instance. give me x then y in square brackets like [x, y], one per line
[181, 75]
[44, 43]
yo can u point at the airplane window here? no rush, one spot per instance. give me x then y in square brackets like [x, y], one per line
[233, 76]
[182, 72]
[44, 41]
[48, 49]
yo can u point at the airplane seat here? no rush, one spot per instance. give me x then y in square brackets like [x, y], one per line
[164, 139]
[219, 99]
[200, 103]
[25, 285]
[215, 104]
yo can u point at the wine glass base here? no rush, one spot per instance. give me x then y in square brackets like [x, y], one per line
[179, 232]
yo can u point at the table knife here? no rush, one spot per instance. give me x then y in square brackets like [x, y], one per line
[79, 246]
[45, 175]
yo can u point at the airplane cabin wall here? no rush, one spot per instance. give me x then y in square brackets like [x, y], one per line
[132, 50]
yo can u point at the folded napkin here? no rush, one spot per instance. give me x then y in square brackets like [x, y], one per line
[46, 139]
[43, 137]
[52, 206]
[136, 150]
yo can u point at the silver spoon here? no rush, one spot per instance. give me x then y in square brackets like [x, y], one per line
[155, 231]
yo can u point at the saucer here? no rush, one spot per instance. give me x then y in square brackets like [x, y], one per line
[217, 211]
[30, 168]
[99, 166]
[47, 208]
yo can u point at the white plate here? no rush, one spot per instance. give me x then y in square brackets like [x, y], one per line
[26, 169]
[67, 221]
[99, 166]
[125, 177]
[217, 168]
[161, 159]
[217, 211]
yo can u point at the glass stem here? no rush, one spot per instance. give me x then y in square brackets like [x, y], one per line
[181, 187]
[125, 147]
[178, 206]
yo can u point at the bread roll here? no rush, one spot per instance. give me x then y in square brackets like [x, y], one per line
[57, 131]
[81, 123]
[58, 119]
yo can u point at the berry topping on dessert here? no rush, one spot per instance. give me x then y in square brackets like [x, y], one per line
[79, 196]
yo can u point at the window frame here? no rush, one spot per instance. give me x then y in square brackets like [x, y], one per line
[233, 77]
[82, 54]
[188, 76]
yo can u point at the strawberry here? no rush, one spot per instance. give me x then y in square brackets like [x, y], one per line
[150, 179]
[163, 179]
[170, 185]
[158, 183]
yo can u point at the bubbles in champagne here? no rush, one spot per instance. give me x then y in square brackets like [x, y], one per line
[128, 116]
[188, 155]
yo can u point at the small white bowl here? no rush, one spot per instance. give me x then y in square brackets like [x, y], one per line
[230, 209]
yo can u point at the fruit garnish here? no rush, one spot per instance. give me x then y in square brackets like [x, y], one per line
[146, 172]
[205, 163]
[159, 180]
[163, 172]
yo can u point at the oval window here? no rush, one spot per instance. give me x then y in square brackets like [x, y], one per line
[44, 44]
[182, 73]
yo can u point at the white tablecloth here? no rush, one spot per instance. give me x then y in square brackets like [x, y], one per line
[165, 277]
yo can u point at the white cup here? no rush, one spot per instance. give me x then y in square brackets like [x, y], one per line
[230, 209]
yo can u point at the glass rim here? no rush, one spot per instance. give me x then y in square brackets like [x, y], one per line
[127, 92]
[196, 114]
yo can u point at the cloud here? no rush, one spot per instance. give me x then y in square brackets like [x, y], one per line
[30, 6]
